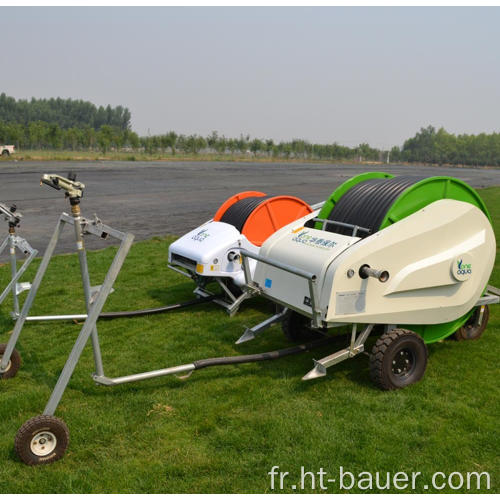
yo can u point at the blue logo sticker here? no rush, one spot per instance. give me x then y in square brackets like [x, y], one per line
[268, 283]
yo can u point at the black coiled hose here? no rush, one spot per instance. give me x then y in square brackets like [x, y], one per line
[238, 213]
[367, 203]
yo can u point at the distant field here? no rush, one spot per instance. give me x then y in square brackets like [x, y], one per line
[142, 156]
[162, 197]
[223, 429]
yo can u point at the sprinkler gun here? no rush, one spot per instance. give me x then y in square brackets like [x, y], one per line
[10, 216]
[73, 189]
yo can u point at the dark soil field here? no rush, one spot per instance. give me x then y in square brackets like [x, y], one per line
[158, 198]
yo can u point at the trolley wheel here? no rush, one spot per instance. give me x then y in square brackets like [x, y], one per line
[475, 325]
[398, 359]
[295, 327]
[42, 440]
[14, 363]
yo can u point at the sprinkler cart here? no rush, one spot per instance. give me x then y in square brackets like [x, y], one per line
[406, 258]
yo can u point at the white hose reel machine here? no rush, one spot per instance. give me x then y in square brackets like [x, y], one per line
[411, 255]
[210, 252]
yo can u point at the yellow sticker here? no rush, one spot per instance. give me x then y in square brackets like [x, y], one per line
[199, 268]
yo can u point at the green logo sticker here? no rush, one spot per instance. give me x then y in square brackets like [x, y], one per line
[461, 267]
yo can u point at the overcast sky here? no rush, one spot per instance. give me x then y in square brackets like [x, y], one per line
[348, 75]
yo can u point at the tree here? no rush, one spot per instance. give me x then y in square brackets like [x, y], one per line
[133, 140]
[66, 113]
[104, 138]
[256, 145]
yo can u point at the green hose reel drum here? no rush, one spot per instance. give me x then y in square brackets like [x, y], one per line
[421, 192]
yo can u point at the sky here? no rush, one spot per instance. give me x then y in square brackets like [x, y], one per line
[325, 74]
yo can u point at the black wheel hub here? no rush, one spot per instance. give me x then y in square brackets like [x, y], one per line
[474, 323]
[403, 362]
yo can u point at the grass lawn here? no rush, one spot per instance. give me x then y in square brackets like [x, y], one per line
[223, 429]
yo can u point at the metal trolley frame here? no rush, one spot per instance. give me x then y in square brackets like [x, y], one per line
[14, 242]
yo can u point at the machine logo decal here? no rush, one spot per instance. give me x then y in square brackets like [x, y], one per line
[461, 267]
[268, 283]
[313, 241]
[201, 235]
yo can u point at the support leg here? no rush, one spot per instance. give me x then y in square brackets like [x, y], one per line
[31, 296]
[88, 326]
[13, 273]
[250, 333]
[3, 246]
[84, 270]
[13, 283]
[356, 346]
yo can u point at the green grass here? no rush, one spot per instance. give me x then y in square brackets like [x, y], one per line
[224, 428]
[68, 155]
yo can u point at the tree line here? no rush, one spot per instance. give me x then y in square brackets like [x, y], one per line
[66, 113]
[42, 135]
[441, 147]
[427, 146]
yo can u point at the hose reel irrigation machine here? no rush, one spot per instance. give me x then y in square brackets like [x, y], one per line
[406, 258]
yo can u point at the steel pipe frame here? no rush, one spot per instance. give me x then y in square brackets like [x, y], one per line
[89, 329]
[13, 242]
[94, 309]
[94, 227]
[255, 289]
[231, 306]
[80, 225]
[356, 346]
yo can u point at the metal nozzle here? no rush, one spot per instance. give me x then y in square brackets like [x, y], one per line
[10, 214]
[71, 187]
[365, 271]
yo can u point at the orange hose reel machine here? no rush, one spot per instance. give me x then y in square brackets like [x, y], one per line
[258, 216]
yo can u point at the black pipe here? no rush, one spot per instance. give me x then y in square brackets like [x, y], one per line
[264, 356]
[156, 310]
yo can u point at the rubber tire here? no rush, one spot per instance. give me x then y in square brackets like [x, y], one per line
[384, 352]
[15, 363]
[5, 153]
[470, 331]
[295, 327]
[34, 426]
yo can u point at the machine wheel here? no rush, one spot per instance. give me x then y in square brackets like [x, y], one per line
[398, 359]
[472, 330]
[42, 440]
[5, 152]
[14, 363]
[295, 327]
